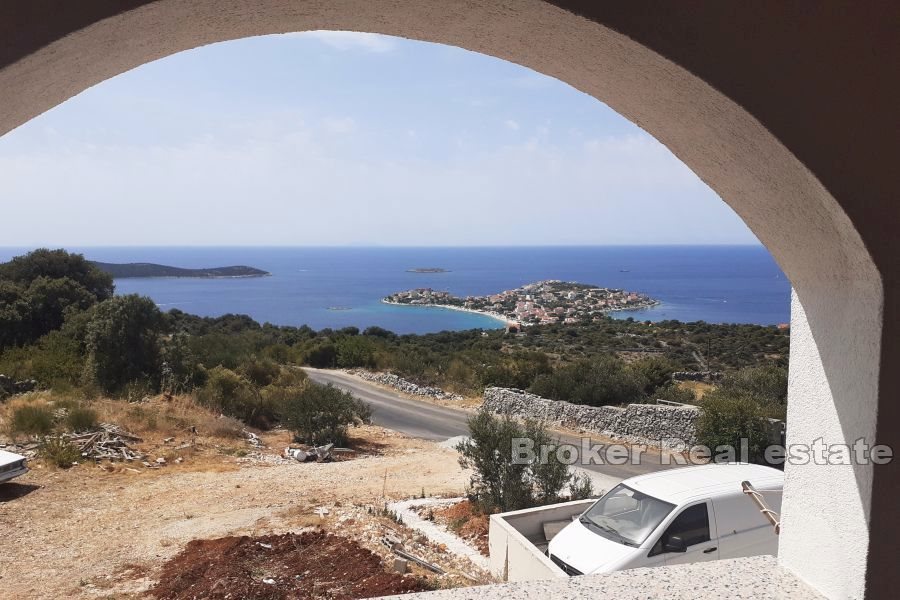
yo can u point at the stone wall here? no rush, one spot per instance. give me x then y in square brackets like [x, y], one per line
[671, 427]
[404, 385]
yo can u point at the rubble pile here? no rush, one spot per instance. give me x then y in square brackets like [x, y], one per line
[108, 442]
[386, 533]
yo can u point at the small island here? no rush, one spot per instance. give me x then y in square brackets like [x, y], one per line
[143, 270]
[543, 302]
[427, 270]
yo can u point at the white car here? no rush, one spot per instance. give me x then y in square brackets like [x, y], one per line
[672, 517]
[11, 465]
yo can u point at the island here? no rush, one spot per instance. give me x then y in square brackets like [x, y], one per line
[135, 270]
[543, 302]
[427, 270]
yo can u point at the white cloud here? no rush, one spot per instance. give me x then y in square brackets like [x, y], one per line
[339, 125]
[511, 124]
[352, 40]
[269, 186]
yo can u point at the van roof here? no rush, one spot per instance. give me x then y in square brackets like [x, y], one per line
[690, 483]
[8, 457]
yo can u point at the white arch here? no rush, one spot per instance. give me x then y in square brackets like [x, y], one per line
[839, 297]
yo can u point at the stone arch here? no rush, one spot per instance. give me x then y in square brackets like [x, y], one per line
[650, 64]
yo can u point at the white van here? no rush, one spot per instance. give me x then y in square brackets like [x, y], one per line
[672, 517]
[11, 465]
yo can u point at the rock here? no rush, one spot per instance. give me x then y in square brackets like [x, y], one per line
[160, 461]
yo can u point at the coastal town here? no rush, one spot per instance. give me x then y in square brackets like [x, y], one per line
[543, 302]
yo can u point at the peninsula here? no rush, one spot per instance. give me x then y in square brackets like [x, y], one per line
[542, 302]
[134, 270]
[427, 270]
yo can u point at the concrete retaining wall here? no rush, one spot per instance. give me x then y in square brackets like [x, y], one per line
[515, 541]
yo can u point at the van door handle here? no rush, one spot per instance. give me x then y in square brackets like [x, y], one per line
[708, 550]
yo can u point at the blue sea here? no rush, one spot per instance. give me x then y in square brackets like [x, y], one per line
[717, 284]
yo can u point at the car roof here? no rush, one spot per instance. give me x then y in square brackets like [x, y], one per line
[9, 457]
[679, 486]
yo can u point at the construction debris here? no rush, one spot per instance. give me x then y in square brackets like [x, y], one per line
[317, 453]
[253, 439]
[401, 565]
[431, 567]
[109, 442]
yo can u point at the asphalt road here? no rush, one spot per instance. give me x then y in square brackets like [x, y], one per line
[432, 422]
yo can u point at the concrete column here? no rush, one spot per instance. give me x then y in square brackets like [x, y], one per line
[832, 397]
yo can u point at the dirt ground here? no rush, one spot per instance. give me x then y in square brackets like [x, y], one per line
[91, 532]
[312, 564]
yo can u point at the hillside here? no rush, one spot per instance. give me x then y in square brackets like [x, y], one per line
[122, 271]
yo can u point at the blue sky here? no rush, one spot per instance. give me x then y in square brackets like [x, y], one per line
[338, 138]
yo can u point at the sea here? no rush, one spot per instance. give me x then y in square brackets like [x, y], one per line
[340, 287]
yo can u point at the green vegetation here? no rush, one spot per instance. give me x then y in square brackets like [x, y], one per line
[739, 408]
[81, 418]
[122, 271]
[59, 452]
[498, 484]
[31, 419]
[321, 414]
[38, 291]
[61, 325]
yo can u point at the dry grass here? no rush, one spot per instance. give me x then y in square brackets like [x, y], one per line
[173, 428]
[468, 522]
[164, 417]
[699, 387]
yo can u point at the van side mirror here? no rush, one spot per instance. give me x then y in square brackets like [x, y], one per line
[674, 544]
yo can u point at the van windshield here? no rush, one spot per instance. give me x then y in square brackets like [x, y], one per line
[625, 515]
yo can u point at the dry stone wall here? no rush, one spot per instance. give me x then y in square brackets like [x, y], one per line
[404, 385]
[671, 427]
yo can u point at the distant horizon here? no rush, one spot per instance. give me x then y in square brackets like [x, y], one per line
[376, 246]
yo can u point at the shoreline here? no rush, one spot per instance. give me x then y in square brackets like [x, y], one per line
[507, 320]
[252, 276]
[496, 316]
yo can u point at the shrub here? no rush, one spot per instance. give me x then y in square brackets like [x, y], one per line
[605, 380]
[227, 392]
[81, 418]
[59, 451]
[259, 372]
[226, 427]
[726, 420]
[31, 419]
[499, 482]
[581, 487]
[675, 393]
[321, 414]
[767, 386]
[122, 340]
[322, 356]
[355, 351]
